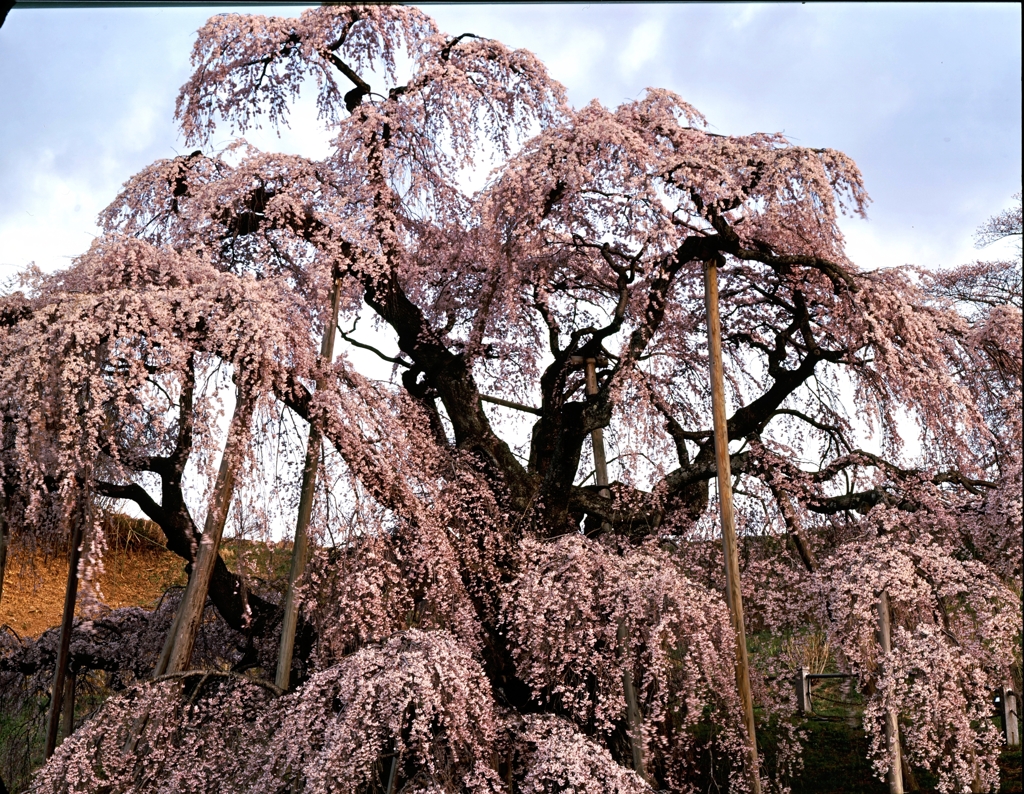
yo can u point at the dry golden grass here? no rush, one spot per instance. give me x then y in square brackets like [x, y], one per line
[33, 596]
[138, 569]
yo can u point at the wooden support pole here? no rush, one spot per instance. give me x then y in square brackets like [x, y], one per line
[66, 625]
[634, 718]
[177, 653]
[724, 477]
[597, 434]
[68, 720]
[393, 774]
[4, 543]
[892, 733]
[300, 549]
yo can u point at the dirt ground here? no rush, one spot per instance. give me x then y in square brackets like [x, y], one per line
[33, 594]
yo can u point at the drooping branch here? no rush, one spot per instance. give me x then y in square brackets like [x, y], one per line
[796, 533]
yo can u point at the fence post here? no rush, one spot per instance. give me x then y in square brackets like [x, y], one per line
[1009, 711]
[803, 692]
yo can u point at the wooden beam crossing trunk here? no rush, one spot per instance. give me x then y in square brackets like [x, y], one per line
[724, 477]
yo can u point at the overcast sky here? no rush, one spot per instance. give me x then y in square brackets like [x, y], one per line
[926, 99]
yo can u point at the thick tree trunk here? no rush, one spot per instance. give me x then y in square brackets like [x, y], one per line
[300, 550]
[67, 620]
[732, 564]
[177, 651]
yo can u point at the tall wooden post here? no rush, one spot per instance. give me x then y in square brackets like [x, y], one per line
[634, 719]
[4, 542]
[724, 477]
[66, 625]
[68, 720]
[892, 733]
[300, 549]
[597, 434]
[177, 652]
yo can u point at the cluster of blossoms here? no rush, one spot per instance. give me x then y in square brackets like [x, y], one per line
[955, 638]
[411, 704]
[580, 615]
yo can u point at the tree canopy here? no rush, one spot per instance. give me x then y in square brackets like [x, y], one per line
[474, 595]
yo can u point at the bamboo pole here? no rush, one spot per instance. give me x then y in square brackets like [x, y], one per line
[177, 651]
[892, 734]
[66, 625]
[634, 719]
[724, 477]
[300, 549]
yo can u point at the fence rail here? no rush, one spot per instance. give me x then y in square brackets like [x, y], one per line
[1006, 702]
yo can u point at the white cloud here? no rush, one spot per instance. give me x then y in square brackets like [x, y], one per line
[53, 225]
[644, 45]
